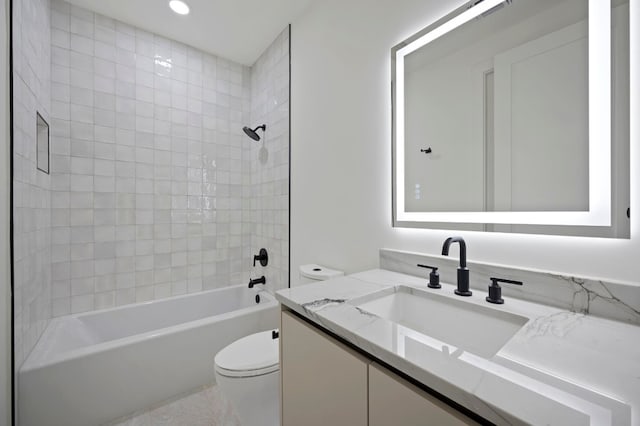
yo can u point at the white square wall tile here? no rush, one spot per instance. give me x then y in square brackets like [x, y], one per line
[60, 306]
[83, 303]
[81, 44]
[105, 300]
[81, 183]
[150, 159]
[105, 51]
[104, 34]
[125, 296]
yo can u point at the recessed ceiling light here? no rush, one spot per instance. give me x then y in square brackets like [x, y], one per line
[179, 7]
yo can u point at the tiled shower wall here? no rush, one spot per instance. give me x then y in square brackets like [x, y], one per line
[32, 198]
[151, 170]
[147, 179]
[154, 190]
[267, 206]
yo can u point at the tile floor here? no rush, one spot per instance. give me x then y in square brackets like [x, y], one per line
[204, 407]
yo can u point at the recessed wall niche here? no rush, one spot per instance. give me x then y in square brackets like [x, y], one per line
[42, 144]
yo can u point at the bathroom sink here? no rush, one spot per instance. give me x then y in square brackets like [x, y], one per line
[467, 326]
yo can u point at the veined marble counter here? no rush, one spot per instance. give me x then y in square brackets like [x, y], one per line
[561, 368]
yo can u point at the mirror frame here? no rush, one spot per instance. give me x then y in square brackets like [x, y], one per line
[599, 214]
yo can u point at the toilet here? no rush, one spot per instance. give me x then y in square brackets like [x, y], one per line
[248, 371]
[312, 272]
[248, 374]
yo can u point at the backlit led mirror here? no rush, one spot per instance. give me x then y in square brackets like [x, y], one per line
[513, 116]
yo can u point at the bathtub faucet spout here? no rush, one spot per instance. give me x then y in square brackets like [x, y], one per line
[261, 280]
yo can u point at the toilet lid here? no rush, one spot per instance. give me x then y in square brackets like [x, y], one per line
[253, 355]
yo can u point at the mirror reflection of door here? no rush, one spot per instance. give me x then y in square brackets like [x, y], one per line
[541, 117]
[503, 103]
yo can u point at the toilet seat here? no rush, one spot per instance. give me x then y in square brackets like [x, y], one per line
[250, 356]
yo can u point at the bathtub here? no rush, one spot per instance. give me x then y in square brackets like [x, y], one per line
[88, 369]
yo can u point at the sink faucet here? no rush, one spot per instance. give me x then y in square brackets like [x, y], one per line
[463, 272]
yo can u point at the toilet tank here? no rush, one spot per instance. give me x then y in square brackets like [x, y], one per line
[313, 272]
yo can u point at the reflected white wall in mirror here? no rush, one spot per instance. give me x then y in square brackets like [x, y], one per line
[502, 115]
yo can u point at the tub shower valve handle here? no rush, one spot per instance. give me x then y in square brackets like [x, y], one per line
[495, 291]
[262, 257]
[261, 280]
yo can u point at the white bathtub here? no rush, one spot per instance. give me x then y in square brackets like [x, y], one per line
[88, 369]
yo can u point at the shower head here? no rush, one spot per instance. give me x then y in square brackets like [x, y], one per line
[252, 132]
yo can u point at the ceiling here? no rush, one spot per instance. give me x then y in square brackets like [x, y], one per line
[239, 30]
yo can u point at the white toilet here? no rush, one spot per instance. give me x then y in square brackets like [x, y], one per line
[248, 370]
[312, 272]
[248, 374]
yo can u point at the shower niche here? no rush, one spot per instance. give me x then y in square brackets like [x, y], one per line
[42, 144]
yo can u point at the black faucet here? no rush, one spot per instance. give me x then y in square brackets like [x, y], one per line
[463, 272]
[261, 280]
[495, 291]
[262, 257]
[434, 277]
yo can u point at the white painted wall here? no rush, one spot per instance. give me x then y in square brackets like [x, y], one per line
[5, 278]
[341, 151]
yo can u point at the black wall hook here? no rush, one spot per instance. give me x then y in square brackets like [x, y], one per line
[426, 151]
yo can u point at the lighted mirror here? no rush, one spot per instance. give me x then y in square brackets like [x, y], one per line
[513, 116]
[42, 144]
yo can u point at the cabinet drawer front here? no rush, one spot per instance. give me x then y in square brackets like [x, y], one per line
[323, 381]
[394, 401]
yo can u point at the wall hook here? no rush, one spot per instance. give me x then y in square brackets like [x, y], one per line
[426, 151]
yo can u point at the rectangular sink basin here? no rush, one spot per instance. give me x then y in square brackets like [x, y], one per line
[470, 327]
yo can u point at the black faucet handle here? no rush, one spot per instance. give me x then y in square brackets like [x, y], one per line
[262, 256]
[495, 281]
[433, 268]
[495, 291]
[434, 277]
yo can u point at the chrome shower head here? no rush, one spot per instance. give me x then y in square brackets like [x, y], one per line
[252, 133]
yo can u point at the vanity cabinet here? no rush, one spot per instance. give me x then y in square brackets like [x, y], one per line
[325, 382]
[394, 401]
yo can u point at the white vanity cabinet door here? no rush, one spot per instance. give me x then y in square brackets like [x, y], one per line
[394, 401]
[323, 381]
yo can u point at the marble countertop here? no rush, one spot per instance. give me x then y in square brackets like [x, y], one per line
[560, 368]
